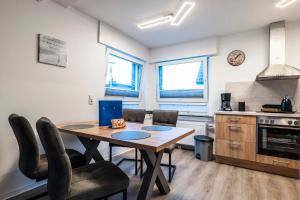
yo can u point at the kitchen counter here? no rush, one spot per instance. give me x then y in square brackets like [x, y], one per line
[254, 113]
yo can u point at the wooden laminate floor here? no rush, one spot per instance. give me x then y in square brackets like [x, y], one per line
[199, 180]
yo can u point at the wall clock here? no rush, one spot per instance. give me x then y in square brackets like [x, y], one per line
[236, 57]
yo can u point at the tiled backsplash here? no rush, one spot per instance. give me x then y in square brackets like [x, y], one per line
[255, 94]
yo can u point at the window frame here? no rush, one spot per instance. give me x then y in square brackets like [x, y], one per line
[201, 101]
[128, 57]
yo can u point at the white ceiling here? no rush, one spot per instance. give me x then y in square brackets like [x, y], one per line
[209, 17]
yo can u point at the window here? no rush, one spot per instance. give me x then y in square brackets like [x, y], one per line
[123, 75]
[183, 80]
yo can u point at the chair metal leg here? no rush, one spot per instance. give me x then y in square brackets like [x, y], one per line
[170, 167]
[126, 159]
[136, 161]
[110, 153]
[142, 170]
[125, 195]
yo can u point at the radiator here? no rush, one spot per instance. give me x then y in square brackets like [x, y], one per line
[200, 129]
[197, 123]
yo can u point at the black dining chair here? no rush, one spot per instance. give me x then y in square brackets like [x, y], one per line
[31, 163]
[130, 115]
[165, 118]
[94, 181]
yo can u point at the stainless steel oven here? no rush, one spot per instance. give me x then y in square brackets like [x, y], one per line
[279, 137]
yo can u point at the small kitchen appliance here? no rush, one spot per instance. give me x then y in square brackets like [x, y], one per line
[242, 106]
[279, 137]
[286, 104]
[225, 99]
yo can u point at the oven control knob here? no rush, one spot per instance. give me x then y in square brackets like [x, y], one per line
[290, 122]
[296, 123]
[261, 120]
[266, 121]
[272, 121]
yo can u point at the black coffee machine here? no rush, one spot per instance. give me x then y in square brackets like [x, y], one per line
[225, 105]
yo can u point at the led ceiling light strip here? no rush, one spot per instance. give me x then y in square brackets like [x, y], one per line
[155, 22]
[284, 3]
[183, 11]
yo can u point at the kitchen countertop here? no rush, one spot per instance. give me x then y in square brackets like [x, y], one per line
[254, 113]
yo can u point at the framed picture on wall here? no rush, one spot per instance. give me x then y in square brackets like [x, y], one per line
[52, 51]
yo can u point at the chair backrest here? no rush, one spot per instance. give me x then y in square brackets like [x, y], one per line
[134, 115]
[59, 165]
[29, 156]
[165, 117]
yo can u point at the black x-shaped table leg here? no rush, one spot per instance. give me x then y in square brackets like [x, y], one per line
[91, 151]
[153, 175]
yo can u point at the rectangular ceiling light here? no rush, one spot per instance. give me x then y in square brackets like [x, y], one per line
[285, 3]
[183, 11]
[155, 22]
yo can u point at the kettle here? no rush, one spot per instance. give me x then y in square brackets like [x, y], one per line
[286, 104]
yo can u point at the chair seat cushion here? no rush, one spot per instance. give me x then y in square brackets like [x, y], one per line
[97, 180]
[170, 149]
[77, 159]
[42, 171]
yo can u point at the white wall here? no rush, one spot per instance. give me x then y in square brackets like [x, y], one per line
[293, 43]
[114, 38]
[35, 90]
[185, 50]
[253, 43]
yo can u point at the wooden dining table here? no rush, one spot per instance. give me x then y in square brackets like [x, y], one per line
[152, 148]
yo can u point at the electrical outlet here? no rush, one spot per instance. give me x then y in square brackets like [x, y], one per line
[91, 100]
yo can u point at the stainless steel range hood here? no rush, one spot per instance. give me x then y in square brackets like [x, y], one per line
[278, 69]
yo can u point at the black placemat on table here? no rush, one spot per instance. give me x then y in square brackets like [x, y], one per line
[157, 128]
[77, 126]
[130, 135]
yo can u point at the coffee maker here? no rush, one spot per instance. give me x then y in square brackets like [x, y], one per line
[225, 99]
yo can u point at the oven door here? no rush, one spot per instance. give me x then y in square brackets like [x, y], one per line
[278, 141]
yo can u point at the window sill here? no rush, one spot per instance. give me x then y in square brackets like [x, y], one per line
[182, 102]
[124, 99]
[186, 108]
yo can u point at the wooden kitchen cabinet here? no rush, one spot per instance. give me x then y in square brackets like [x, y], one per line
[233, 149]
[281, 162]
[235, 137]
[235, 119]
[235, 144]
[236, 132]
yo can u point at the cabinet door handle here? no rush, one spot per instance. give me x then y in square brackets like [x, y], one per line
[278, 162]
[234, 146]
[234, 119]
[234, 128]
